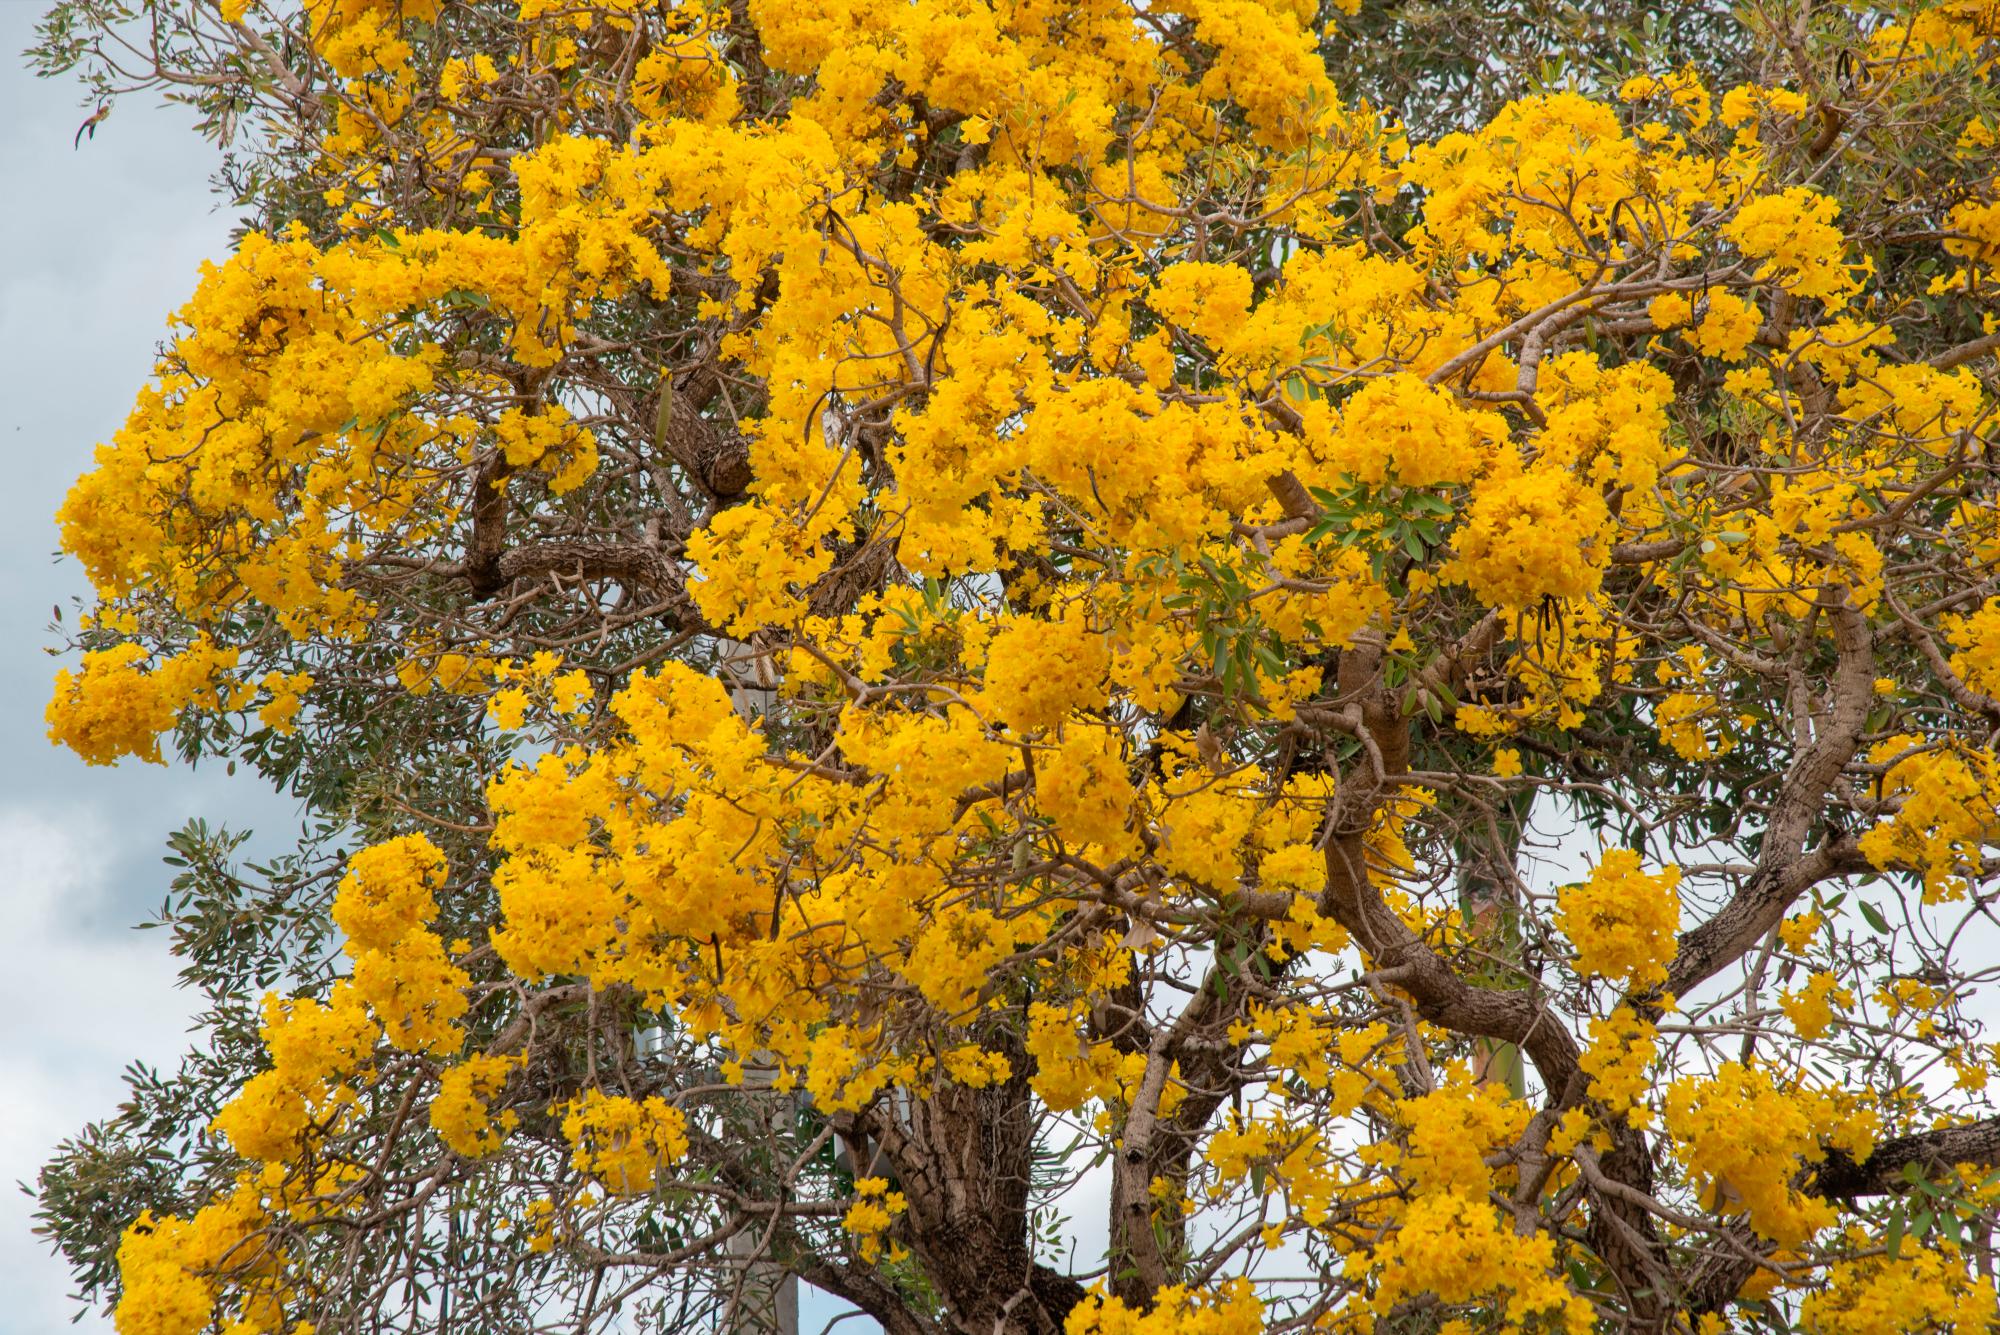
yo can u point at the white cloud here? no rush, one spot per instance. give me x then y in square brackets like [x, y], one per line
[103, 247]
[81, 1006]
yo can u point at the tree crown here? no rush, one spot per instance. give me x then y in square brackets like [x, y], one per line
[893, 606]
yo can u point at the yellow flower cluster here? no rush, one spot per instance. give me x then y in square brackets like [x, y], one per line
[287, 694]
[1084, 788]
[1291, 1156]
[1682, 89]
[1039, 670]
[875, 1208]
[1923, 1288]
[172, 1272]
[315, 1050]
[1810, 1008]
[1448, 1239]
[403, 988]
[624, 1142]
[549, 441]
[360, 37]
[1943, 813]
[1231, 1309]
[1463, 1250]
[1070, 1071]
[1538, 534]
[1793, 233]
[1726, 327]
[117, 707]
[400, 966]
[1450, 1132]
[1976, 639]
[1622, 1048]
[1623, 921]
[462, 1112]
[1399, 429]
[1746, 1137]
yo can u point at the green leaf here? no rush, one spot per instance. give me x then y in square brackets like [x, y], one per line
[1449, 696]
[1873, 915]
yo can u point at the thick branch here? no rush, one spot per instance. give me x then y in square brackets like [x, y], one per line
[1784, 870]
[636, 565]
[1966, 352]
[1841, 1178]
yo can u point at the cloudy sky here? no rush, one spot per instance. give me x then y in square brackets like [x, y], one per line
[100, 244]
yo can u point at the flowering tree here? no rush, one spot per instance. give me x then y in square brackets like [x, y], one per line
[907, 619]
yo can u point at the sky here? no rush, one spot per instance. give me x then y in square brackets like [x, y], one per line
[98, 245]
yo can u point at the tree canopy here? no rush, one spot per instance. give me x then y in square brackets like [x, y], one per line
[903, 620]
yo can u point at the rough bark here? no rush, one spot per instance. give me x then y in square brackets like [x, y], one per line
[962, 1158]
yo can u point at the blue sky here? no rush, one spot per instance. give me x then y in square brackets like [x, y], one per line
[101, 243]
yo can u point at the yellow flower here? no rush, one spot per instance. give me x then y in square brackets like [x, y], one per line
[624, 1142]
[1622, 921]
[461, 1112]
